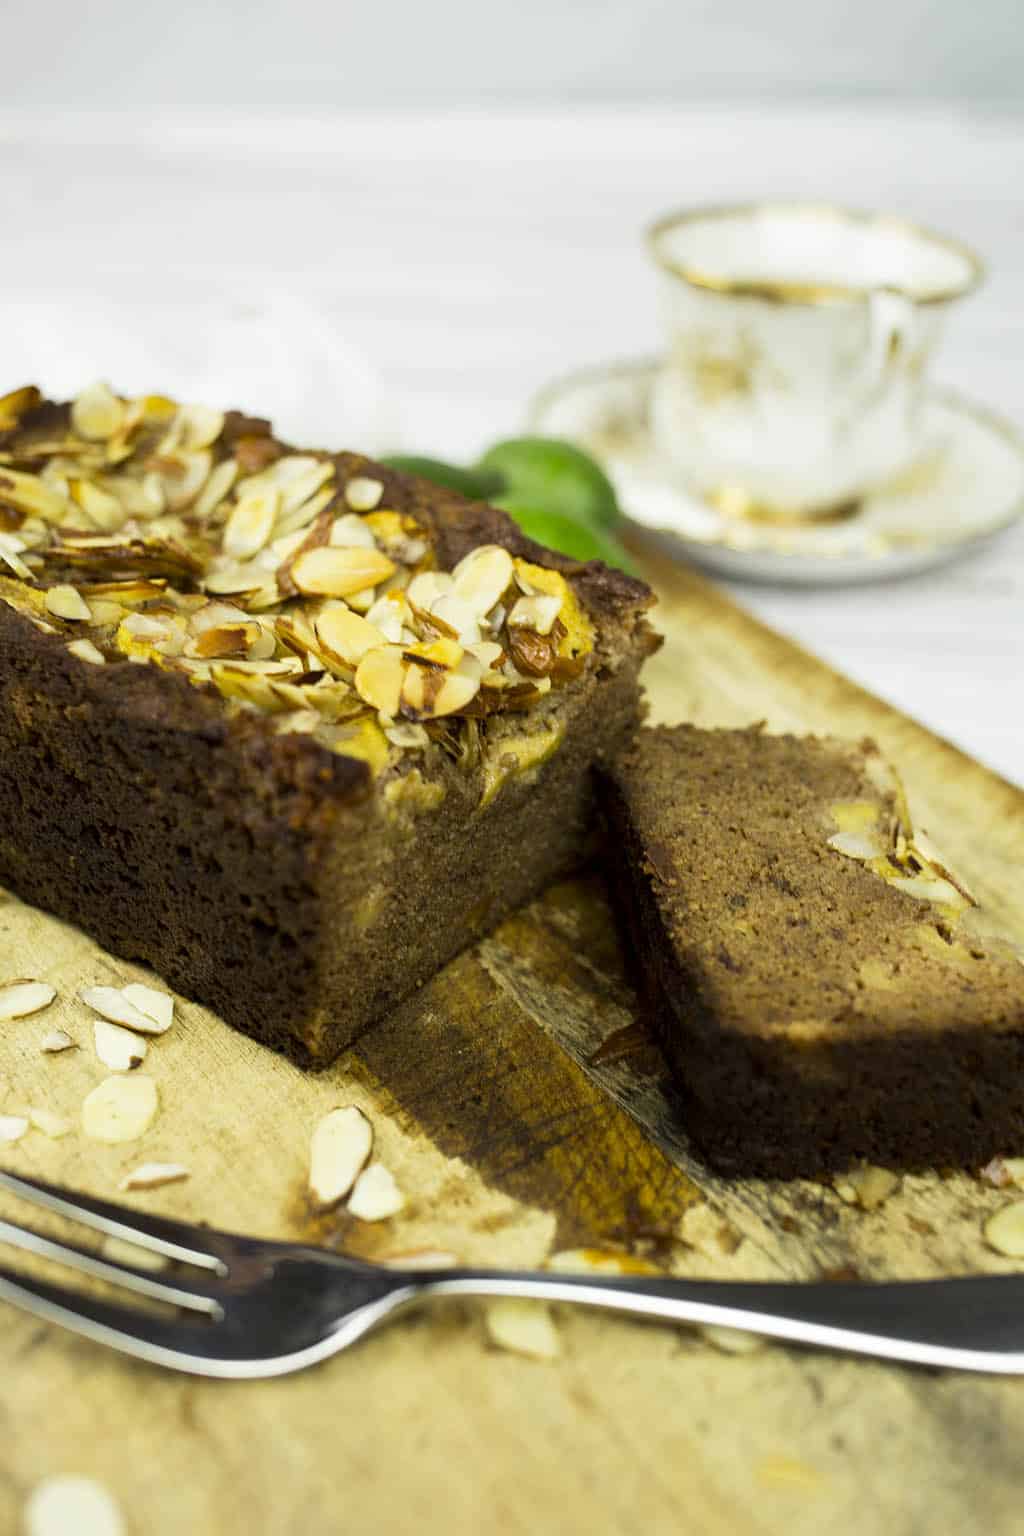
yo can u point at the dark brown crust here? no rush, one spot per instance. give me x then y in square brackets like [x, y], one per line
[209, 847]
[786, 1062]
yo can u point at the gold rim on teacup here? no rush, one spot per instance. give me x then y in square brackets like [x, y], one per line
[781, 291]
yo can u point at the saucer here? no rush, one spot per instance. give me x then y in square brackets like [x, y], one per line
[967, 487]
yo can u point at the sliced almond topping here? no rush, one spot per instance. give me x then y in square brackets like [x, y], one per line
[434, 695]
[351, 532]
[184, 477]
[379, 678]
[20, 998]
[97, 413]
[222, 478]
[407, 736]
[153, 1175]
[30, 494]
[99, 506]
[537, 613]
[86, 651]
[198, 426]
[923, 889]
[1005, 1230]
[483, 576]
[523, 1327]
[113, 1003]
[376, 1196]
[118, 1048]
[250, 524]
[458, 615]
[363, 494]
[56, 1040]
[330, 572]
[298, 488]
[428, 586]
[868, 1186]
[71, 1506]
[340, 1146]
[856, 845]
[12, 1127]
[391, 614]
[66, 602]
[120, 1108]
[347, 634]
[52, 1125]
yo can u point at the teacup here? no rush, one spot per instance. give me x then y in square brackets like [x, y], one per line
[799, 339]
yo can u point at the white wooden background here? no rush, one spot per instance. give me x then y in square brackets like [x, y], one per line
[470, 256]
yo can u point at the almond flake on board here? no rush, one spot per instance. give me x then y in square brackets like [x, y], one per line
[71, 1506]
[56, 1040]
[53, 1125]
[376, 1196]
[523, 1327]
[1004, 1230]
[13, 1127]
[86, 651]
[20, 998]
[866, 1186]
[120, 1108]
[156, 1005]
[154, 1175]
[118, 1048]
[113, 1003]
[339, 1148]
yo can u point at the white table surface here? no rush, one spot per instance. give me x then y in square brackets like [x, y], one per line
[471, 256]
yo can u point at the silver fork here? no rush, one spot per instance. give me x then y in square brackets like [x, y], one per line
[252, 1309]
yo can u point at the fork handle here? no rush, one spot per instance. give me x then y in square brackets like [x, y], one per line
[974, 1323]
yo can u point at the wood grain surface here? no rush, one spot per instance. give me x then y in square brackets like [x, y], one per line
[522, 1112]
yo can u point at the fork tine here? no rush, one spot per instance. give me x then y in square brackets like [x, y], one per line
[108, 1269]
[149, 1338]
[174, 1239]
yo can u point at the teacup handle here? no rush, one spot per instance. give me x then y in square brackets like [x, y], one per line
[887, 314]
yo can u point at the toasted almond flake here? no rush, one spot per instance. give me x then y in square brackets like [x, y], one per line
[1004, 1231]
[20, 998]
[222, 478]
[869, 1186]
[120, 1108]
[198, 426]
[537, 612]
[855, 846]
[922, 889]
[216, 616]
[523, 1327]
[363, 494]
[409, 737]
[53, 1125]
[155, 1005]
[153, 1175]
[351, 532]
[329, 572]
[1003, 1171]
[250, 524]
[86, 651]
[338, 1151]
[376, 1196]
[379, 678]
[97, 413]
[390, 614]
[430, 700]
[118, 1048]
[140, 1008]
[71, 1506]
[11, 550]
[298, 489]
[99, 505]
[119, 1251]
[731, 1341]
[32, 495]
[66, 602]
[56, 1040]
[418, 1258]
[483, 576]
[13, 1127]
[455, 612]
[347, 634]
[428, 586]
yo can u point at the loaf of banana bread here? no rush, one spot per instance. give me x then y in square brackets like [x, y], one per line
[815, 972]
[288, 726]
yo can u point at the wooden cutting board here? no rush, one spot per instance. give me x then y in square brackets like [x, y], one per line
[511, 1141]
